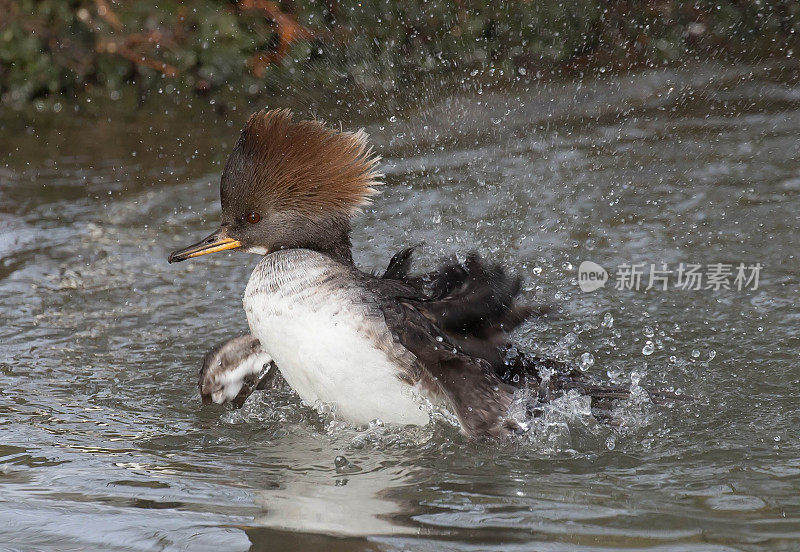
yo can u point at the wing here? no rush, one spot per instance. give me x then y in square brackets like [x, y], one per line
[468, 384]
[472, 302]
[235, 368]
[474, 306]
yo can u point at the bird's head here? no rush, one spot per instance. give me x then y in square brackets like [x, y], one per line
[291, 185]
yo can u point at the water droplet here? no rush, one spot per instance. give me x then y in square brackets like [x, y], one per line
[648, 331]
[711, 355]
[340, 462]
[695, 353]
[568, 340]
[586, 361]
[611, 443]
[648, 348]
[608, 320]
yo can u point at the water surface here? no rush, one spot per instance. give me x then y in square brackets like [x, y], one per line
[104, 443]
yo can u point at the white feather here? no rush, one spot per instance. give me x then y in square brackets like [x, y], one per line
[231, 381]
[315, 333]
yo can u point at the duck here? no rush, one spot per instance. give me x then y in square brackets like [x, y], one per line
[390, 346]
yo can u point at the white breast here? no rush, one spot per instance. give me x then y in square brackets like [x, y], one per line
[329, 340]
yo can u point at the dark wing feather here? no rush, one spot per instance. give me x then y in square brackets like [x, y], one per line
[472, 297]
[472, 302]
[468, 384]
[400, 264]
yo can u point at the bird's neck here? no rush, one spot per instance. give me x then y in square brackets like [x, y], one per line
[341, 250]
[332, 238]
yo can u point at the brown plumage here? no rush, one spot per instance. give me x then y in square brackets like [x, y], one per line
[304, 166]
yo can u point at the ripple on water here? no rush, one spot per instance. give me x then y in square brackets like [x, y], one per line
[100, 338]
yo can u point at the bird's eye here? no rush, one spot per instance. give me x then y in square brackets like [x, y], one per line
[253, 217]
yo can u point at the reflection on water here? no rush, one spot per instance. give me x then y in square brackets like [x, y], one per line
[350, 505]
[104, 444]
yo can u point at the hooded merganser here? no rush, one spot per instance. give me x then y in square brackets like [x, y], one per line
[371, 347]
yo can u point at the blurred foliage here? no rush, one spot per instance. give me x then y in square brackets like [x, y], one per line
[52, 48]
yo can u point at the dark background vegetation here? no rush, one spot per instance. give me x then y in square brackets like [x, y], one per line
[56, 49]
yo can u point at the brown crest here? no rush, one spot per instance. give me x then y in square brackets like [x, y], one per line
[302, 166]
